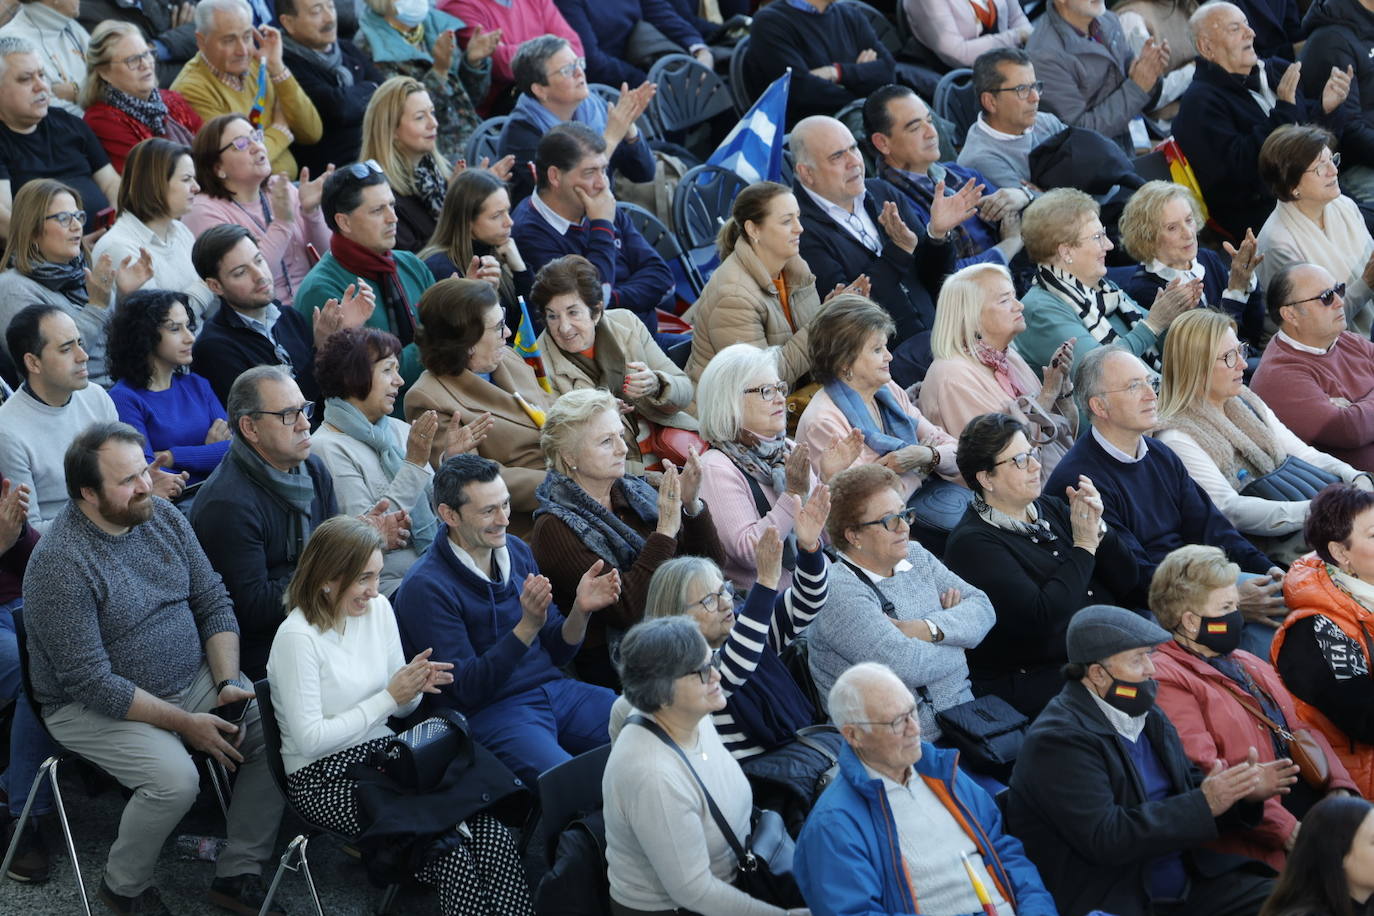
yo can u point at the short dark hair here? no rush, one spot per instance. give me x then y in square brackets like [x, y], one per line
[1314, 879]
[654, 654]
[877, 119]
[205, 151]
[987, 72]
[213, 244]
[531, 58]
[451, 323]
[343, 192]
[1331, 517]
[148, 171]
[285, 8]
[1287, 153]
[454, 475]
[563, 148]
[135, 331]
[981, 442]
[25, 335]
[343, 365]
[1280, 291]
[571, 273]
[81, 463]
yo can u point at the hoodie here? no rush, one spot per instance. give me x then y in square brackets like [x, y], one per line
[1340, 33]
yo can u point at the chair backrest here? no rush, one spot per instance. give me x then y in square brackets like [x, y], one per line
[956, 101]
[568, 791]
[887, 32]
[702, 203]
[738, 90]
[663, 241]
[688, 93]
[271, 734]
[852, 116]
[788, 173]
[21, 639]
[482, 142]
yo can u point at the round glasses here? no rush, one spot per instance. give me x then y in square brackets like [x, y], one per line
[897, 725]
[241, 143]
[769, 392]
[64, 218]
[1236, 356]
[717, 602]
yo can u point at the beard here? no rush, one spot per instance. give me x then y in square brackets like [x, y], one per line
[133, 513]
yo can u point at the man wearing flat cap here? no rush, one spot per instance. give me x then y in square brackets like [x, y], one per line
[1106, 801]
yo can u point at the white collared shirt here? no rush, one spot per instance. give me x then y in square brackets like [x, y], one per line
[502, 562]
[1304, 348]
[857, 223]
[1117, 453]
[1128, 727]
[553, 219]
[901, 566]
[996, 134]
[1265, 98]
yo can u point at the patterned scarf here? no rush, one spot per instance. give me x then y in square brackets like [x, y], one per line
[331, 60]
[761, 459]
[594, 525]
[921, 188]
[1234, 437]
[1039, 526]
[996, 360]
[430, 186]
[67, 278]
[1095, 305]
[151, 111]
[293, 490]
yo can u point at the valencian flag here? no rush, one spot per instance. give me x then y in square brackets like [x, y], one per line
[527, 346]
[255, 116]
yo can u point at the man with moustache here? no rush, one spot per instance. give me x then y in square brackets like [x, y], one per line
[132, 642]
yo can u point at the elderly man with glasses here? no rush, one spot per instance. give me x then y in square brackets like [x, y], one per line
[1315, 375]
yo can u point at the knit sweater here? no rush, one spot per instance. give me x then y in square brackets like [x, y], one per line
[855, 629]
[172, 266]
[33, 438]
[175, 419]
[1298, 388]
[92, 319]
[110, 613]
[1006, 162]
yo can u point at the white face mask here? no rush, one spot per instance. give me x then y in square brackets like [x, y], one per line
[412, 12]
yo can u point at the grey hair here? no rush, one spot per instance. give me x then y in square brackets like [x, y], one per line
[1087, 376]
[668, 587]
[847, 701]
[720, 391]
[245, 395]
[656, 653]
[565, 421]
[206, 9]
[531, 57]
[1202, 17]
[13, 44]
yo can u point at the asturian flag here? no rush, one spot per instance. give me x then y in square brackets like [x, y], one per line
[753, 150]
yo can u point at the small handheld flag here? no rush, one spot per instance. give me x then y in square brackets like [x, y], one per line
[982, 892]
[527, 346]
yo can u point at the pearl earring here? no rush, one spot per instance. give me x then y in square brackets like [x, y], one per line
[327, 589]
[1068, 260]
[222, 176]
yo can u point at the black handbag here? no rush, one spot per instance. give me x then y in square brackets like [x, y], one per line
[418, 757]
[765, 857]
[1293, 481]
[939, 505]
[987, 731]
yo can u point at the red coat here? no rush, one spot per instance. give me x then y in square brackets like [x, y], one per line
[1214, 726]
[119, 132]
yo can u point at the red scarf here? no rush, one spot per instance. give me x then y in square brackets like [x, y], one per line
[996, 360]
[381, 268]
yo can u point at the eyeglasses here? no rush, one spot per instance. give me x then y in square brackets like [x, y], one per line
[717, 602]
[65, 218]
[241, 143]
[361, 170]
[1023, 90]
[1137, 388]
[1235, 356]
[1022, 460]
[893, 521]
[898, 725]
[769, 392]
[137, 61]
[1326, 297]
[704, 672]
[579, 63]
[1097, 238]
[1327, 165]
[290, 415]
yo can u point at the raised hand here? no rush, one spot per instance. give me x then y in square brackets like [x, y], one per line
[1056, 384]
[842, 453]
[768, 558]
[901, 234]
[1147, 68]
[14, 512]
[484, 267]
[1085, 514]
[1287, 89]
[420, 439]
[1244, 260]
[797, 470]
[810, 521]
[133, 274]
[482, 44]
[442, 52]
[269, 48]
[691, 480]
[393, 526]
[1337, 88]
[535, 597]
[312, 189]
[948, 211]
[596, 589]
[166, 484]
[412, 678]
[466, 437]
[279, 198]
[353, 312]
[1224, 786]
[1276, 778]
[669, 502]
[1178, 297]
[620, 120]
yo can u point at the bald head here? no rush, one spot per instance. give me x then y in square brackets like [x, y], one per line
[1223, 36]
[853, 690]
[828, 159]
[1298, 292]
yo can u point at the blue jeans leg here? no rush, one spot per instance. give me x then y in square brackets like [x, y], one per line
[522, 732]
[1255, 637]
[29, 744]
[583, 712]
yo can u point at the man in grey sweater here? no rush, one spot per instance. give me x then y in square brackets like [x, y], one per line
[1011, 123]
[132, 643]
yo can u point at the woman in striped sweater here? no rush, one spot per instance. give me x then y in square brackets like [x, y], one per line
[764, 705]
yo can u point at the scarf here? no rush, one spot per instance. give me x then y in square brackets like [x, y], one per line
[996, 360]
[1039, 526]
[430, 186]
[67, 278]
[591, 112]
[381, 268]
[350, 421]
[331, 60]
[898, 431]
[1342, 248]
[764, 462]
[293, 491]
[1094, 306]
[1235, 438]
[151, 112]
[921, 188]
[593, 524]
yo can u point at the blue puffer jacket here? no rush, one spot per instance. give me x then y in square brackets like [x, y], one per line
[848, 860]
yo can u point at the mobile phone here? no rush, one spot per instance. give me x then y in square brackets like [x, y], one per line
[105, 218]
[234, 712]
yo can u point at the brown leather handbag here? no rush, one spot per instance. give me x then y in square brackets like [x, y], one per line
[1303, 749]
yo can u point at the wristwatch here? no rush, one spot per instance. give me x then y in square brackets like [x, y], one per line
[225, 683]
[936, 634]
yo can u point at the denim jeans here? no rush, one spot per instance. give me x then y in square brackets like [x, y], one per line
[29, 744]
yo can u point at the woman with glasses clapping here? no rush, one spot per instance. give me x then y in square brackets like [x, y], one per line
[1258, 473]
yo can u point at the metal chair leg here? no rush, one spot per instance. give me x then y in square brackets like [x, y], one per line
[48, 770]
[295, 849]
[219, 778]
[24, 815]
[388, 899]
[309, 879]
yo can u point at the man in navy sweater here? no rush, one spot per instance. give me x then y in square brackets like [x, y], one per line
[477, 599]
[1147, 494]
[572, 211]
[605, 27]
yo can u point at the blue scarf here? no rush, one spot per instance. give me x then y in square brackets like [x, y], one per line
[350, 421]
[898, 430]
[592, 112]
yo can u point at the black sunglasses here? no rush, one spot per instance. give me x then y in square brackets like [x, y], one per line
[1325, 297]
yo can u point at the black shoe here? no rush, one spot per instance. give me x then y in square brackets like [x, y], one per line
[31, 863]
[241, 894]
[148, 903]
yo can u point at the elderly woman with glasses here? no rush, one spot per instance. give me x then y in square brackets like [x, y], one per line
[664, 851]
[1072, 299]
[1038, 558]
[892, 601]
[1229, 439]
[1313, 221]
[754, 477]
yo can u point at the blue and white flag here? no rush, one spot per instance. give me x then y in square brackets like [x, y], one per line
[753, 150]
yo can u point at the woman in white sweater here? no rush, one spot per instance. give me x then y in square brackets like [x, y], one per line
[337, 674]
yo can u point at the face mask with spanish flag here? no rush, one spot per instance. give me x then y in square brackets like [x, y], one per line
[1134, 698]
[1221, 634]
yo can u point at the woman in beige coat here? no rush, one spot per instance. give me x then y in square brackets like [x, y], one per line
[470, 375]
[762, 293]
[585, 346]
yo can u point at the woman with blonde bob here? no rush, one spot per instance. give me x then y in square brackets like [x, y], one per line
[1211, 691]
[337, 675]
[1227, 437]
[590, 509]
[977, 371]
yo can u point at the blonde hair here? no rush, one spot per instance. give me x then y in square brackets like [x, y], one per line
[565, 420]
[1140, 220]
[959, 311]
[28, 217]
[1189, 349]
[1053, 219]
[335, 556]
[1184, 580]
[100, 53]
[384, 112]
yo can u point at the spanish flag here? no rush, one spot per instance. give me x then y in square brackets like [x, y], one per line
[1219, 627]
[1125, 691]
[527, 345]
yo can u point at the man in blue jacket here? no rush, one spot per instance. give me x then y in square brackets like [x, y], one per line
[892, 834]
[476, 597]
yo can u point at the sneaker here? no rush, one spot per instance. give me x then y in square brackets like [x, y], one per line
[30, 864]
[242, 894]
[148, 903]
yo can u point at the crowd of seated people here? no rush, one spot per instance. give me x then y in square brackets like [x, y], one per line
[408, 434]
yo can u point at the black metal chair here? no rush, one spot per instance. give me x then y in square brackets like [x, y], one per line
[701, 204]
[688, 93]
[955, 101]
[738, 90]
[482, 142]
[566, 792]
[663, 241]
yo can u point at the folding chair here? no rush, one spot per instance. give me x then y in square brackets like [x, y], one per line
[664, 242]
[738, 90]
[702, 203]
[689, 95]
[566, 792]
[955, 101]
[482, 142]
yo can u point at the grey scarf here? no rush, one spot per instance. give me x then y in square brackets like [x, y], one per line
[600, 529]
[293, 490]
[331, 59]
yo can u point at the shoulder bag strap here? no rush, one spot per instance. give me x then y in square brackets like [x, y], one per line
[1247, 703]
